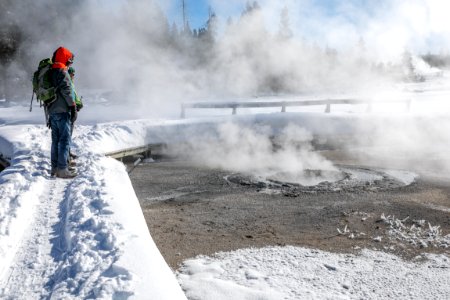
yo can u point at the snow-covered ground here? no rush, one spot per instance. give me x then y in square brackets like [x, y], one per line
[87, 237]
[298, 273]
[83, 238]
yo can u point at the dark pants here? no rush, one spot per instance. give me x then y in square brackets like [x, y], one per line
[71, 132]
[60, 125]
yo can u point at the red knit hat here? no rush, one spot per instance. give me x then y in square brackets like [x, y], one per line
[62, 58]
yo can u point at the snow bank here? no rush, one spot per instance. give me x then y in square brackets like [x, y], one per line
[110, 252]
[299, 273]
[106, 250]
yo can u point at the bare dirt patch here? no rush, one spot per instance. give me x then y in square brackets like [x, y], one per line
[191, 210]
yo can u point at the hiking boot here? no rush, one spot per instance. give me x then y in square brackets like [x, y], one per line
[72, 169]
[72, 155]
[72, 163]
[53, 172]
[65, 173]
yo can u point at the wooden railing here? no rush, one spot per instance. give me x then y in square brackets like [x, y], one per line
[146, 150]
[283, 104]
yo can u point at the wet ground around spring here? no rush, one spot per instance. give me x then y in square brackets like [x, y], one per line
[193, 210]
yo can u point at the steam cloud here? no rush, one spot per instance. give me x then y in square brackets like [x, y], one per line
[409, 142]
[255, 150]
[130, 48]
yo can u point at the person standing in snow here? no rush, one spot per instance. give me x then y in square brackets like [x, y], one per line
[79, 106]
[62, 112]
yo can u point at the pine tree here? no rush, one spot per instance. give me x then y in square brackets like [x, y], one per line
[208, 33]
[174, 31]
[249, 8]
[285, 31]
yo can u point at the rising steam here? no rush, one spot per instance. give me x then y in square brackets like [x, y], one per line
[132, 49]
[130, 52]
[255, 150]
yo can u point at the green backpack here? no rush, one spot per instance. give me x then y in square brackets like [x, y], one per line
[42, 86]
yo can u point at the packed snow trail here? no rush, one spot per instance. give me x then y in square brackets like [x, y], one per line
[41, 246]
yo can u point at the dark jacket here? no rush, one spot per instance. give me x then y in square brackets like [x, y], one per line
[61, 81]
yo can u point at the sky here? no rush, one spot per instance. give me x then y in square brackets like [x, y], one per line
[196, 11]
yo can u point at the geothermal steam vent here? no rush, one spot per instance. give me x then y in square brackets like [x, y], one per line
[339, 179]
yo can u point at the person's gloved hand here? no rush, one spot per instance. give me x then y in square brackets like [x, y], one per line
[79, 106]
[73, 114]
[49, 125]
